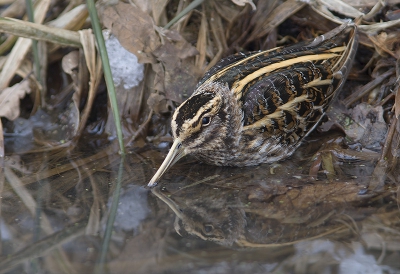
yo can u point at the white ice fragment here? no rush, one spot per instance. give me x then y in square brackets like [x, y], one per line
[124, 65]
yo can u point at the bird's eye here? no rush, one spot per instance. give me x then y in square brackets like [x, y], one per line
[206, 121]
[208, 228]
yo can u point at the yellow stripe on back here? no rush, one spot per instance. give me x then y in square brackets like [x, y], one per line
[318, 82]
[222, 72]
[289, 106]
[238, 86]
[337, 49]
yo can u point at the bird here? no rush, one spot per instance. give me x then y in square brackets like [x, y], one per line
[257, 107]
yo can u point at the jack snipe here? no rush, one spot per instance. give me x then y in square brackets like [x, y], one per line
[256, 108]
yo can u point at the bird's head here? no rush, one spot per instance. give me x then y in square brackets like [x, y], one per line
[199, 124]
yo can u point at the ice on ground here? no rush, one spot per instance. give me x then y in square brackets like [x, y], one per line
[125, 68]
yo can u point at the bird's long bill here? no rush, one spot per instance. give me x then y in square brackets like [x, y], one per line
[175, 153]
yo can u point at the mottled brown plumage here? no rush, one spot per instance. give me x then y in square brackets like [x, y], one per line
[257, 107]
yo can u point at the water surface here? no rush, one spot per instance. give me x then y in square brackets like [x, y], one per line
[88, 212]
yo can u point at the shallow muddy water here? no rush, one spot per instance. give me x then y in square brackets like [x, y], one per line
[93, 213]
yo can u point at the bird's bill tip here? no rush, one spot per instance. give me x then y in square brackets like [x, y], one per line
[175, 153]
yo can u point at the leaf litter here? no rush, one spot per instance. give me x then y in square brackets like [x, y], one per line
[174, 59]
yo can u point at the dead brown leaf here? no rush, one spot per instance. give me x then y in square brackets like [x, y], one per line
[226, 11]
[9, 99]
[178, 74]
[158, 8]
[368, 3]
[166, 50]
[386, 43]
[174, 47]
[134, 30]
[180, 81]
[337, 6]
[70, 64]
[366, 126]
[158, 69]
[144, 5]
[244, 2]
[155, 101]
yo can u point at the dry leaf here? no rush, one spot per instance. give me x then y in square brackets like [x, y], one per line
[228, 12]
[21, 47]
[378, 27]
[178, 74]
[155, 101]
[397, 90]
[71, 20]
[386, 43]
[158, 8]
[202, 43]
[179, 82]
[365, 126]
[174, 48]
[9, 99]
[244, 2]
[166, 50]
[159, 77]
[340, 7]
[70, 64]
[134, 30]
[397, 102]
[144, 5]
[368, 3]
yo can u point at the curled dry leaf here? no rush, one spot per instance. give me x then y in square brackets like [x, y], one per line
[368, 3]
[70, 64]
[375, 28]
[9, 99]
[244, 2]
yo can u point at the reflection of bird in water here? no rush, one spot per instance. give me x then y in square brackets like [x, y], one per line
[257, 108]
[248, 212]
[211, 217]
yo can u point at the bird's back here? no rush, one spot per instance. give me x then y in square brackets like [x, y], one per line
[284, 92]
